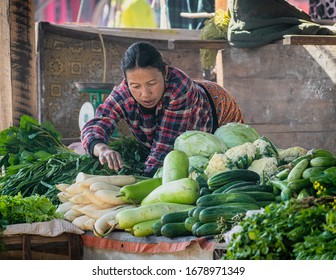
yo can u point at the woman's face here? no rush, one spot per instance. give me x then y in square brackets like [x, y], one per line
[146, 85]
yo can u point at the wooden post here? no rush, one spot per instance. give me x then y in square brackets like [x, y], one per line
[18, 94]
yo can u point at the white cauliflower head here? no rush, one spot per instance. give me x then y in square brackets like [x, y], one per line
[289, 154]
[265, 167]
[217, 163]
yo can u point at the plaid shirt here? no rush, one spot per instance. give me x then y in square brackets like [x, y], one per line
[183, 106]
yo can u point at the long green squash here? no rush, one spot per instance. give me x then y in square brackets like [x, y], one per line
[184, 191]
[130, 217]
[175, 166]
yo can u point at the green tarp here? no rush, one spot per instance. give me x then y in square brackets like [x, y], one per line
[259, 22]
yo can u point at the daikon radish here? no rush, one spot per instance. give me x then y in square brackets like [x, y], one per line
[88, 225]
[103, 226]
[117, 180]
[62, 187]
[98, 213]
[80, 199]
[81, 176]
[79, 221]
[71, 215]
[64, 196]
[75, 188]
[109, 197]
[64, 207]
[95, 200]
[103, 186]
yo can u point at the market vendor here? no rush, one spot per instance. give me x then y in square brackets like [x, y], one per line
[158, 102]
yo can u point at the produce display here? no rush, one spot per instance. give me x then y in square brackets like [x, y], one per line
[206, 186]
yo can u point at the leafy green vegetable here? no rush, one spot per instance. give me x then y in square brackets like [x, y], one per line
[295, 229]
[199, 143]
[235, 134]
[29, 142]
[132, 153]
[18, 209]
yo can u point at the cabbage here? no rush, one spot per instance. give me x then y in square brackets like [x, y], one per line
[198, 163]
[235, 134]
[199, 143]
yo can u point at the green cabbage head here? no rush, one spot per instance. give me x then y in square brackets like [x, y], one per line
[199, 143]
[235, 134]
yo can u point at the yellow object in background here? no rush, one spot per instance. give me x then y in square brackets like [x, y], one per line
[137, 14]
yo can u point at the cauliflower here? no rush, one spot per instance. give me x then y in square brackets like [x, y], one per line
[265, 167]
[217, 163]
[242, 156]
[266, 147]
[288, 155]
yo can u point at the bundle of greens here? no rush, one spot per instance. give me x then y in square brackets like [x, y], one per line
[295, 229]
[18, 209]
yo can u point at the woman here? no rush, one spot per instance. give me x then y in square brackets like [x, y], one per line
[158, 103]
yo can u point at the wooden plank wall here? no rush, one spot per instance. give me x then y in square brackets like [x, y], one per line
[287, 92]
[18, 61]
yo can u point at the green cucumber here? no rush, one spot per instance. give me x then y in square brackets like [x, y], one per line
[260, 196]
[197, 212]
[238, 185]
[189, 222]
[222, 198]
[296, 172]
[208, 229]
[280, 185]
[252, 188]
[172, 230]
[228, 185]
[297, 185]
[283, 174]
[286, 194]
[228, 176]
[308, 172]
[204, 191]
[320, 153]
[157, 228]
[323, 161]
[195, 227]
[212, 214]
[174, 217]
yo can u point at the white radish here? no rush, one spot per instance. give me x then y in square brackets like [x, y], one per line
[103, 186]
[109, 197]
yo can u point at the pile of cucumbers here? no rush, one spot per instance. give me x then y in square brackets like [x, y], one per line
[306, 175]
[229, 193]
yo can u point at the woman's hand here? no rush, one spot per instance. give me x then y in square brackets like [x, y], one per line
[107, 155]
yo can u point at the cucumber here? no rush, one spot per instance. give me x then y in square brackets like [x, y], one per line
[283, 174]
[286, 194]
[189, 222]
[320, 153]
[252, 188]
[197, 212]
[224, 187]
[195, 227]
[212, 214]
[157, 227]
[174, 217]
[297, 185]
[191, 211]
[260, 196]
[296, 172]
[237, 185]
[204, 191]
[280, 185]
[172, 230]
[323, 161]
[228, 176]
[175, 166]
[311, 170]
[208, 229]
[222, 198]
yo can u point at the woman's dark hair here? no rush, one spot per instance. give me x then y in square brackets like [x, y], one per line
[142, 55]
